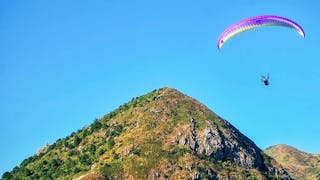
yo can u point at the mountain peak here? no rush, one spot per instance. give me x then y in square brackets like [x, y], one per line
[162, 134]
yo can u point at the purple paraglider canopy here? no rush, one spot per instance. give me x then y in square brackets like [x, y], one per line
[254, 22]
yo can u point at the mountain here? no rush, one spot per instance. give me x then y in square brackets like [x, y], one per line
[298, 164]
[161, 135]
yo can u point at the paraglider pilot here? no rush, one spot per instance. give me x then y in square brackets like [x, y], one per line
[265, 80]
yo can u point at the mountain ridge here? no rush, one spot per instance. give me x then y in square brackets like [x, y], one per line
[299, 164]
[163, 134]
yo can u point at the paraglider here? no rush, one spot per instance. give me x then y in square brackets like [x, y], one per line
[255, 22]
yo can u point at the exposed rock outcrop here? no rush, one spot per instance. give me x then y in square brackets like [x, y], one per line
[226, 144]
[223, 145]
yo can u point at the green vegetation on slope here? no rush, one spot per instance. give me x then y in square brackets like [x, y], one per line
[75, 154]
[299, 164]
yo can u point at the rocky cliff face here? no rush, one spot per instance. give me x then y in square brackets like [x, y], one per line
[162, 135]
[224, 144]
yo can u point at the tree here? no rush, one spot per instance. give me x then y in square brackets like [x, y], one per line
[92, 149]
[7, 175]
[76, 141]
[85, 159]
[96, 125]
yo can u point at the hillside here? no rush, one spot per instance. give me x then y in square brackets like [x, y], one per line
[298, 164]
[163, 134]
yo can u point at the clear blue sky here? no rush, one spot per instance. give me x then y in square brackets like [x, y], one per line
[65, 63]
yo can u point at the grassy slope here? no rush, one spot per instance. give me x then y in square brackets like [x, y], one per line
[299, 164]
